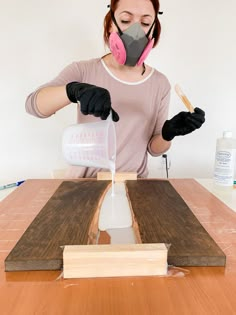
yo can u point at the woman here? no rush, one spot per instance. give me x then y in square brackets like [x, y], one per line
[120, 82]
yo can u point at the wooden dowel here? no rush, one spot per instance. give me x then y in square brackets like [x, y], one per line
[184, 98]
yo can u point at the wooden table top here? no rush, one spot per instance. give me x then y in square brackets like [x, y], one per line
[194, 290]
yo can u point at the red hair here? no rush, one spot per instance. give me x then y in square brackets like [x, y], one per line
[113, 6]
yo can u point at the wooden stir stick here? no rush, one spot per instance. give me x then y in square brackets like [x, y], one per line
[184, 98]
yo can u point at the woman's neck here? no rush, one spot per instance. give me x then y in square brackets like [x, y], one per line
[126, 73]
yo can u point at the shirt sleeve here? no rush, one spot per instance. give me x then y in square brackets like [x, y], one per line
[161, 118]
[70, 73]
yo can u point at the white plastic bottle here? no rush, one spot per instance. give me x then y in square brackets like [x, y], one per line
[225, 162]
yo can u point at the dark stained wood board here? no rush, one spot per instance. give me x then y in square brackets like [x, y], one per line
[64, 220]
[164, 217]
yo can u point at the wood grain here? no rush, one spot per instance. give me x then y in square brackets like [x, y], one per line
[65, 219]
[162, 216]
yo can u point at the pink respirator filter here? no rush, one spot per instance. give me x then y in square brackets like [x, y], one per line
[117, 48]
[145, 53]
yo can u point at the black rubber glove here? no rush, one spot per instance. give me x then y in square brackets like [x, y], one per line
[93, 100]
[183, 123]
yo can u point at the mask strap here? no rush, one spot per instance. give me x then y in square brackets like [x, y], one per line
[148, 33]
[114, 21]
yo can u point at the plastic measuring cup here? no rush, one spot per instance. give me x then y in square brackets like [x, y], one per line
[91, 144]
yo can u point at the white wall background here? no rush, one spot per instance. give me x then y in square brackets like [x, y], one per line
[38, 38]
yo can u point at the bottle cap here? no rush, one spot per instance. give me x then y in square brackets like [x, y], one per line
[227, 134]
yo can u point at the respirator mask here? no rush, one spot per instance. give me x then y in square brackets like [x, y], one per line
[132, 46]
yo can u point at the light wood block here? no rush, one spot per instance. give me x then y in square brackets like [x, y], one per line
[119, 177]
[91, 261]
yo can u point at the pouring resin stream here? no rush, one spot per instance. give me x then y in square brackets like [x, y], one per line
[94, 145]
[115, 210]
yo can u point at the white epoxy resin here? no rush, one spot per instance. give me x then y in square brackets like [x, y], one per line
[122, 236]
[115, 211]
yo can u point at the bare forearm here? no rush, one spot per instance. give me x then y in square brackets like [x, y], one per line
[51, 99]
[159, 145]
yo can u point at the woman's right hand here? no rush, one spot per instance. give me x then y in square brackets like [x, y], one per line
[93, 100]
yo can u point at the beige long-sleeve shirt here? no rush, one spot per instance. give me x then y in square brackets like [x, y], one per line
[142, 106]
